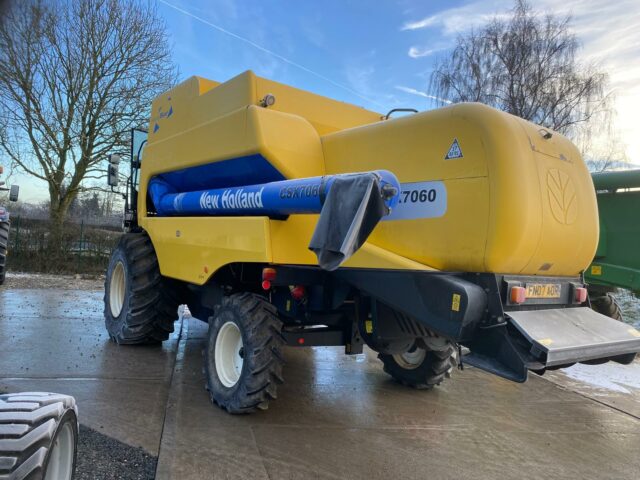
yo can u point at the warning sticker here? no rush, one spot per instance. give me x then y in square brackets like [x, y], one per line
[420, 200]
[368, 326]
[455, 302]
[454, 150]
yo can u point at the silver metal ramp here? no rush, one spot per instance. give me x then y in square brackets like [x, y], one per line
[575, 334]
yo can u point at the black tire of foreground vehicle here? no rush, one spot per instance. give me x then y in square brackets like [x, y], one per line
[243, 375]
[420, 368]
[4, 243]
[140, 306]
[607, 305]
[38, 436]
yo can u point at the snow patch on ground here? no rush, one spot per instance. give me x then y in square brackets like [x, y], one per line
[609, 376]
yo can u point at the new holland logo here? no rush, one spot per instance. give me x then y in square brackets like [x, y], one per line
[232, 199]
[454, 151]
[562, 197]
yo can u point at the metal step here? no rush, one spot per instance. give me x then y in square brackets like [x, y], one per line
[571, 335]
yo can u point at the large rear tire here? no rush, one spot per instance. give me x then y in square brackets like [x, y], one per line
[607, 305]
[420, 368]
[243, 360]
[38, 436]
[140, 306]
[4, 245]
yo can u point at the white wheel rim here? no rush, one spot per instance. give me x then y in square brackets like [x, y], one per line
[228, 354]
[60, 466]
[411, 360]
[117, 287]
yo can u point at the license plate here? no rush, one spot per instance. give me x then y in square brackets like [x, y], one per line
[543, 290]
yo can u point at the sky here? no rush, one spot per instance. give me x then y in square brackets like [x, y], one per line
[379, 53]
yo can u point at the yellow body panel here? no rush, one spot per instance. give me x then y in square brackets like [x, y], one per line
[289, 240]
[326, 115]
[193, 248]
[517, 203]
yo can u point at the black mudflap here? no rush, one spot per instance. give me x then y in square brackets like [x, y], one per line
[503, 352]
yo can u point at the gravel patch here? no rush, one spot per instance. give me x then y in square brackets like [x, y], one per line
[17, 280]
[103, 458]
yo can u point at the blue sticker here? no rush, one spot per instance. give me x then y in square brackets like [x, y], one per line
[420, 200]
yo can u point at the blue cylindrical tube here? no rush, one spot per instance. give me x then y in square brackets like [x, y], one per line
[286, 197]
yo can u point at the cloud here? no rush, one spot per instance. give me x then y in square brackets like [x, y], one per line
[424, 23]
[453, 21]
[420, 93]
[417, 52]
[608, 31]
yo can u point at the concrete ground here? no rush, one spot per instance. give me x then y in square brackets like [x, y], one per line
[336, 416]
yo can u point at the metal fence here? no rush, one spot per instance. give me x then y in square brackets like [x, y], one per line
[85, 247]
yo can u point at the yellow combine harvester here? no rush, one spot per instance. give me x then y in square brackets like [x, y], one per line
[286, 218]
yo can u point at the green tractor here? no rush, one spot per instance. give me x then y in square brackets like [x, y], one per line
[617, 260]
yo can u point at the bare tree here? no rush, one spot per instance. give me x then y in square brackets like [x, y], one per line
[75, 76]
[94, 204]
[602, 146]
[526, 66]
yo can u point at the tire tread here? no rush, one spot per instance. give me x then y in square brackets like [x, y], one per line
[607, 305]
[28, 423]
[437, 365]
[153, 304]
[4, 245]
[258, 385]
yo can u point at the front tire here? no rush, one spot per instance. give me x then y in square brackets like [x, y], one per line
[4, 245]
[243, 360]
[38, 436]
[140, 306]
[420, 368]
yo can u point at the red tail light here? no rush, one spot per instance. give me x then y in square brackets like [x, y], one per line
[518, 294]
[298, 292]
[581, 295]
[269, 274]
